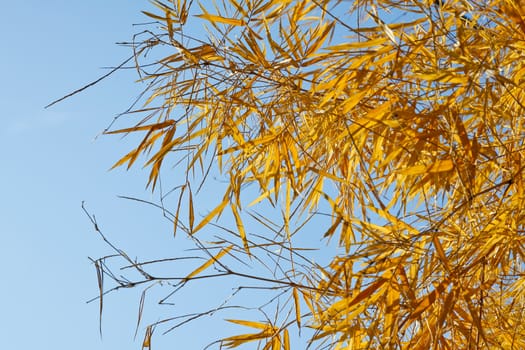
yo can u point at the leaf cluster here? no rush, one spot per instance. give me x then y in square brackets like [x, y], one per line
[398, 124]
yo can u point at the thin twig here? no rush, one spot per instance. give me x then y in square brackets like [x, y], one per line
[90, 84]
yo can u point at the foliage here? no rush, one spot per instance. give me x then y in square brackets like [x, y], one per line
[393, 129]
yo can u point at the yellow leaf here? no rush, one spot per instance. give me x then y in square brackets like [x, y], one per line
[350, 46]
[297, 307]
[206, 52]
[437, 167]
[276, 342]
[266, 331]
[348, 303]
[239, 7]
[240, 227]
[263, 196]
[191, 211]
[154, 16]
[391, 318]
[129, 158]
[220, 19]
[146, 343]
[232, 342]
[286, 340]
[428, 300]
[218, 209]
[209, 262]
[440, 252]
[176, 218]
[331, 230]
[307, 299]
[353, 100]
[399, 223]
[149, 127]
[268, 345]
[252, 324]
[445, 77]
[320, 35]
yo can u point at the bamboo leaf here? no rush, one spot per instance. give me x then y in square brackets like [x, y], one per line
[240, 228]
[149, 127]
[211, 215]
[436, 167]
[410, 129]
[286, 339]
[252, 324]
[190, 211]
[209, 262]
[297, 304]
[427, 301]
[219, 19]
[146, 343]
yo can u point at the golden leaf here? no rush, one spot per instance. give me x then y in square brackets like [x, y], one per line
[209, 262]
[219, 19]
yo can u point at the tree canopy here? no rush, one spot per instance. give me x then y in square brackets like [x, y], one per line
[391, 131]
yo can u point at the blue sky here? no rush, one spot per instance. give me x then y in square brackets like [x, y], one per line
[51, 163]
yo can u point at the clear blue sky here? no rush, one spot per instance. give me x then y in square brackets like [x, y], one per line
[51, 163]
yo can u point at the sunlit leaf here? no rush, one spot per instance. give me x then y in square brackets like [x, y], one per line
[210, 262]
[386, 134]
[219, 19]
